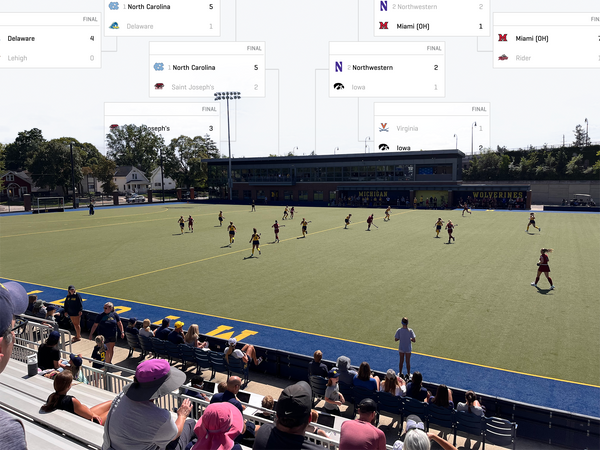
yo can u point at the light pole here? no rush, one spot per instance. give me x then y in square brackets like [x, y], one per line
[73, 177]
[472, 128]
[162, 176]
[228, 96]
[456, 137]
[587, 136]
[368, 138]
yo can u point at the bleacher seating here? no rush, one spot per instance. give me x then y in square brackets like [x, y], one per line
[134, 343]
[146, 344]
[318, 386]
[202, 358]
[238, 367]
[468, 423]
[217, 362]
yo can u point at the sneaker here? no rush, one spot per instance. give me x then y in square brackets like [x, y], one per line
[259, 252]
[552, 288]
[259, 360]
[540, 230]
[533, 284]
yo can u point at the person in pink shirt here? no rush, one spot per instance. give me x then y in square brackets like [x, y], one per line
[361, 434]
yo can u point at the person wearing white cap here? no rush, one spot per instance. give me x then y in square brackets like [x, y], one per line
[13, 300]
[417, 439]
[245, 354]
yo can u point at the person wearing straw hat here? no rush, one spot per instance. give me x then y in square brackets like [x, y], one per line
[13, 300]
[218, 427]
[135, 422]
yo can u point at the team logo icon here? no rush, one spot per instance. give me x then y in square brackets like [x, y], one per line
[159, 86]
[113, 126]
[338, 86]
[503, 57]
[384, 127]
[113, 6]
[383, 25]
[502, 38]
[114, 26]
[383, 147]
[159, 66]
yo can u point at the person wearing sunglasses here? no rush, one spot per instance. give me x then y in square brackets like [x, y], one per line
[107, 323]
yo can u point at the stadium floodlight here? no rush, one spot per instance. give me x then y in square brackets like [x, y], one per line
[228, 96]
[472, 128]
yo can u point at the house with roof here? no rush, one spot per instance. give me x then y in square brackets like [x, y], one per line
[130, 179]
[15, 184]
[156, 181]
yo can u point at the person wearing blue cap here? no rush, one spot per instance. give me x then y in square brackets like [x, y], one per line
[333, 397]
[49, 354]
[13, 301]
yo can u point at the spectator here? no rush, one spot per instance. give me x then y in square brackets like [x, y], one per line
[333, 398]
[192, 335]
[267, 402]
[443, 397]
[146, 330]
[345, 371]
[472, 405]
[244, 354]
[362, 434]
[293, 417]
[98, 354]
[163, 331]
[131, 328]
[107, 324]
[75, 363]
[51, 313]
[176, 336]
[135, 422]
[39, 310]
[364, 378]
[218, 428]
[415, 389]
[417, 439]
[316, 367]
[13, 300]
[60, 400]
[197, 382]
[406, 336]
[233, 387]
[314, 417]
[31, 301]
[393, 384]
[221, 387]
[74, 310]
[230, 395]
[49, 354]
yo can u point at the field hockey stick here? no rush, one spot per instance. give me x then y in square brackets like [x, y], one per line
[374, 225]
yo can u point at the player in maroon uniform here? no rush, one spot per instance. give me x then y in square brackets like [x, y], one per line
[369, 222]
[292, 211]
[190, 222]
[275, 227]
[465, 206]
[544, 268]
[450, 227]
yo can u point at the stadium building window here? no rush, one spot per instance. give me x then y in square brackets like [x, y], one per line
[303, 196]
[260, 195]
[234, 194]
[247, 194]
[318, 195]
[288, 195]
[332, 195]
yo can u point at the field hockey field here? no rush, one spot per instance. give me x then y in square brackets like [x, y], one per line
[468, 301]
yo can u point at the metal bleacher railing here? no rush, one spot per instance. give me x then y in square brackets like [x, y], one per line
[104, 379]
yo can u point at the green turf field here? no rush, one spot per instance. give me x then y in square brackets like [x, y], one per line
[470, 301]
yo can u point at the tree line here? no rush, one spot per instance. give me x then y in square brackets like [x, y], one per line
[48, 162]
[581, 161]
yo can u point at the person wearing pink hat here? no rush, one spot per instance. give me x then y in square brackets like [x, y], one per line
[218, 428]
[134, 422]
